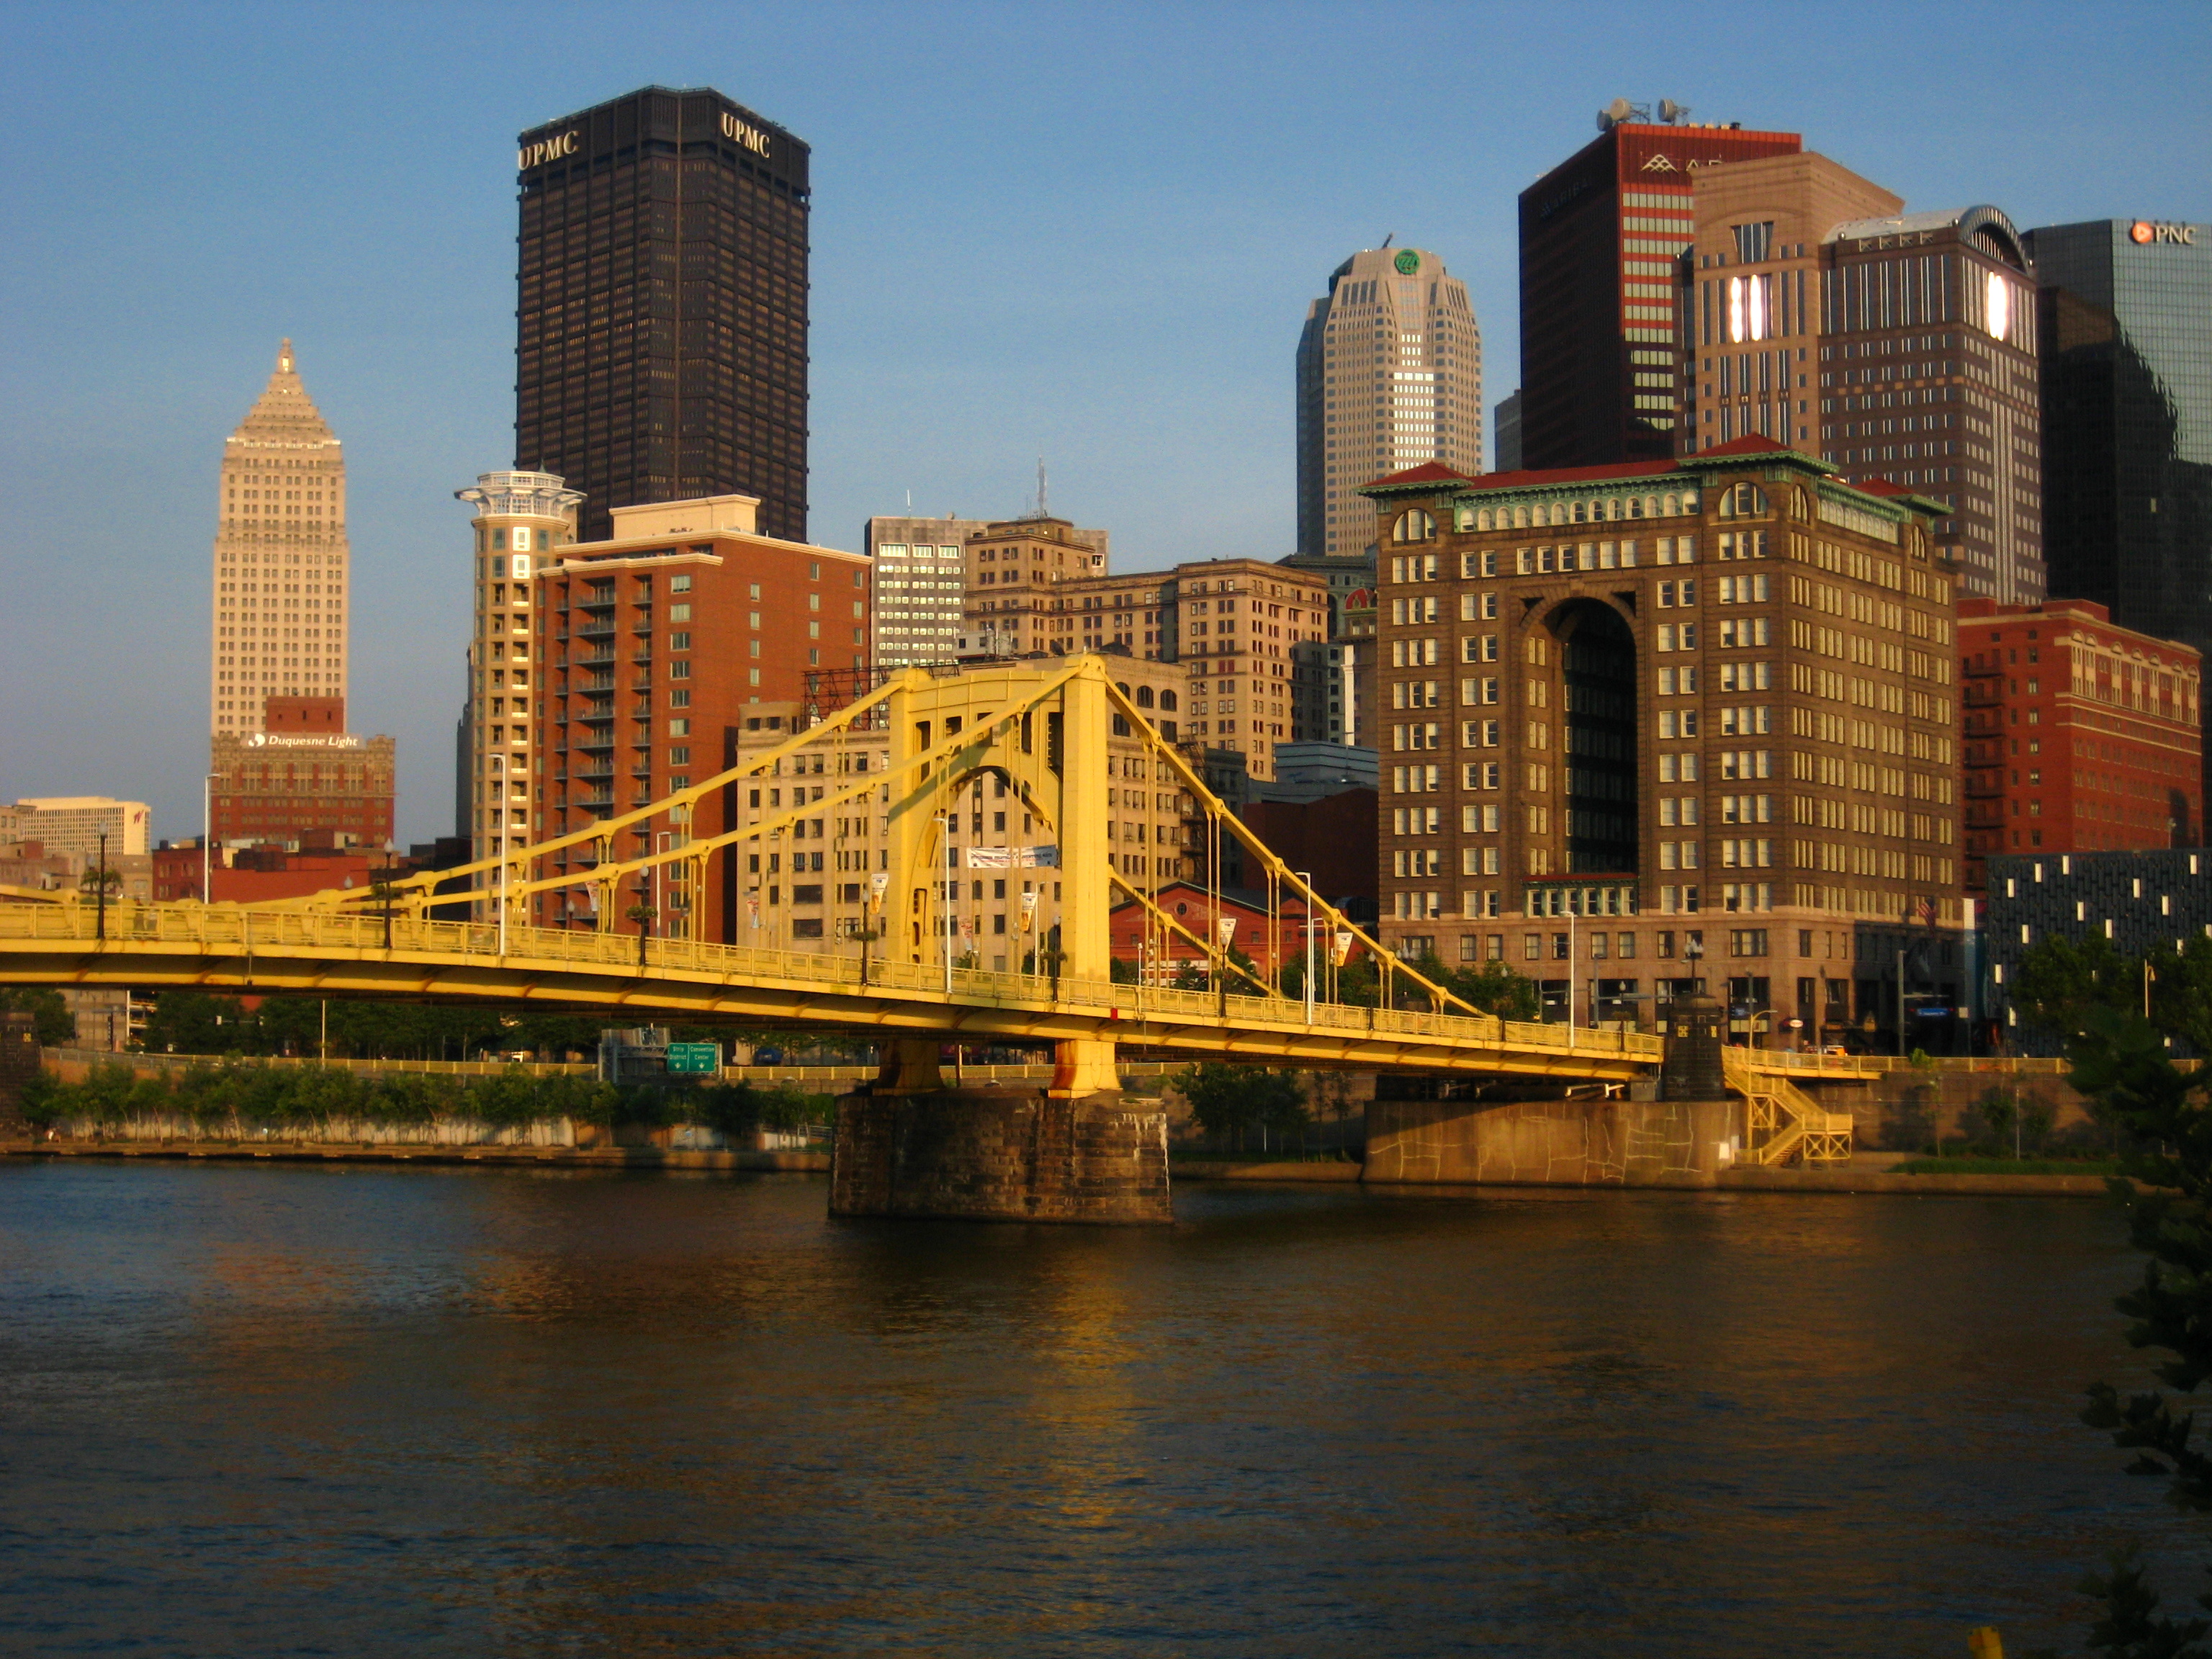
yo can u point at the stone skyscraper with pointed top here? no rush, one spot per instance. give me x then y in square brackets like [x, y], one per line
[280, 574]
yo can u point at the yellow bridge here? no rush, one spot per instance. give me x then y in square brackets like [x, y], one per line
[1043, 730]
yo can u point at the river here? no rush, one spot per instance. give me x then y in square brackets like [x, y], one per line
[370, 1410]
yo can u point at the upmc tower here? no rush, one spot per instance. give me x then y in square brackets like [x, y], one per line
[1600, 234]
[661, 317]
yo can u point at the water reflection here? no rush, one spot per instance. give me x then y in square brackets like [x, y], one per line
[438, 1411]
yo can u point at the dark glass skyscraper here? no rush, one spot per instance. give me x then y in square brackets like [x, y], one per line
[661, 312]
[1600, 236]
[2126, 325]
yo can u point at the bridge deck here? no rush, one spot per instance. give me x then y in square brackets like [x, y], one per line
[228, 949]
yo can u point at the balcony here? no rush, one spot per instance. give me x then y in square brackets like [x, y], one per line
[595, 660]
[595, 628]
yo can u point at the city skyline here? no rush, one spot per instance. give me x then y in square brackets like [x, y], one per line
[385, 263]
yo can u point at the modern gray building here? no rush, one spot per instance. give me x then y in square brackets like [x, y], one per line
[2125, 314]
[2146, 904]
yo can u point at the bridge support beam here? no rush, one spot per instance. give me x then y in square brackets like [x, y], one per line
[1084, 1068]
[999, 1155]
[909, 1067]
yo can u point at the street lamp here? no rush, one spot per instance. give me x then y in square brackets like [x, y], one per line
[207, 837]
[944, 895]
[1305, 906]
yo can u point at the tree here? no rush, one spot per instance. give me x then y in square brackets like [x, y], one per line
[643, 913]
[1496, 989]
[2120, 1061]
[1232, 1100]
[2061, 982]
[195, 1022]
[51, 1022]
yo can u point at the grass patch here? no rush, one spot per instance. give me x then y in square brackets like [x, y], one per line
[2021, 1166]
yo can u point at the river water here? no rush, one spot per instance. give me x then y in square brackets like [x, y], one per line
[371, 1410]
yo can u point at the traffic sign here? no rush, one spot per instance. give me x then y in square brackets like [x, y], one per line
[695, 1057]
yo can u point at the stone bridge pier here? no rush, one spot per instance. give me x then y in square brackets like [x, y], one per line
[908, 1145]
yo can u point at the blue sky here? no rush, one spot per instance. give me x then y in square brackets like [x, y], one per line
[1084, 232]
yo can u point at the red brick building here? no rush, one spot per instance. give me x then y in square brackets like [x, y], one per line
[1136, 937]
[651, 648]
[301, 777]
[2081, 736]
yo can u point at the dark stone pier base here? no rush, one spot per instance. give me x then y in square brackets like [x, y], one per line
[999, 1155]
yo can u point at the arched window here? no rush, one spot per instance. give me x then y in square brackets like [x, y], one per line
[1520, 518]
[1144, 696]
[1167, 702]
[1743, 501]
[1674, 505]
[1799, 508]
[1413, 526]
[1482, 519]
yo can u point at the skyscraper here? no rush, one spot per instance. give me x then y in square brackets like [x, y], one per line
[1600, 234]
[661, 315]
[1893, 345]
[1389, 375]
[2127, 408]
[280, 559]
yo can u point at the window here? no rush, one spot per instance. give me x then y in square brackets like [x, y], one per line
[1413, 526]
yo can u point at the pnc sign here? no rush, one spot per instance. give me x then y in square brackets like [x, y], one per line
[2147, 231]
[546, 149]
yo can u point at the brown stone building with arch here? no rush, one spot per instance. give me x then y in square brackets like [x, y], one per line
[1659, 723]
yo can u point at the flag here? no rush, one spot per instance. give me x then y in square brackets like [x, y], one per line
[1226, 927]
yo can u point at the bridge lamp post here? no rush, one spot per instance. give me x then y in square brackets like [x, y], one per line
[944, 895]
[1306, 905]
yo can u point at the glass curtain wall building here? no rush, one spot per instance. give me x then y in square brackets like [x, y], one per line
[2126, 321]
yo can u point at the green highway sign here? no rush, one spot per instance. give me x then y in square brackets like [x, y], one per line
[695, 1057]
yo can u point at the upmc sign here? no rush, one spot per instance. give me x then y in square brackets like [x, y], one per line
[2151, 230]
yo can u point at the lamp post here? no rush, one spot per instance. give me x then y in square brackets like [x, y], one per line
[385, 893]
[1305, 907]
[944, 895]
[207, 837]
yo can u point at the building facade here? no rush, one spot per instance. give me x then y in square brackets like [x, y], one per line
[1653, 723]
[651, 650]
[1899, 346]
[302, 781]
[73, 824]
[2145, 903]
[1390, 374]
[1600, 236]
[811, 889]
[2126, 342]
[281, 578]
[2080, 736]
[521, 518]
[920, 589]
[1013, 566]
[661, 317]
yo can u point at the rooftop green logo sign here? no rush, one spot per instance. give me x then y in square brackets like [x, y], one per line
[1408, 263]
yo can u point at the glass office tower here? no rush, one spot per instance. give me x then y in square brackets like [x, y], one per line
[2125, 312]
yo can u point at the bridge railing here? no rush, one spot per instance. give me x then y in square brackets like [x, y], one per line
[233, 930]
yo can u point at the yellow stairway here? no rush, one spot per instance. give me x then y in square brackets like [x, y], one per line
[1781, 1121]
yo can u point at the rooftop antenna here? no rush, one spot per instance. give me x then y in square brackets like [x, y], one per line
[1621, 109]
[1044, 507]
[1672, 113]
[1386, 240]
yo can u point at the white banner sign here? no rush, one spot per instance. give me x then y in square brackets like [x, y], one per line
[1013, 858]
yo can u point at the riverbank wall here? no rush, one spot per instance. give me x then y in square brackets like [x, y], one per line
[1550, 1143]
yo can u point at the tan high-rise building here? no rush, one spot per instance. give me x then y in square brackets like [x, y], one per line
[1656, 724]
[521, 517]
[1897, 346]
[280, 576]
[1390, 376]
